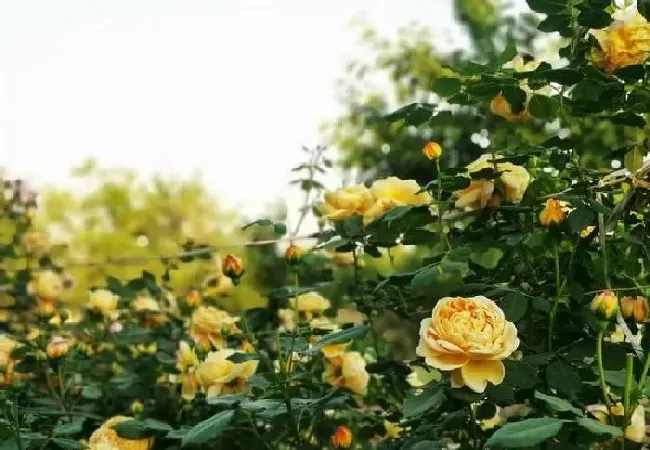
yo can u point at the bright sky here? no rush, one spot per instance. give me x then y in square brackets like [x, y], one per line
[231, 88]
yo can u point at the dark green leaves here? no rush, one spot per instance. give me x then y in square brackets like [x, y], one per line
[526, 433]
[446, 87]
[514, 305]
[91, 392]
[643, 6]
[339, 337]
[429, 400]
[558, 404]
[580, 218]
[595, 427]
[413, 114]
[548, 6]
[562, 377]
[208, 429]
[520, 375]
[543, 107]
[487, 258]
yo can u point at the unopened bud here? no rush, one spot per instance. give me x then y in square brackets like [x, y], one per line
[294, 254]
[635, 308]
[233, 267]
[342, 437]
[605, 305]
[137, 408]
[552, 214]
[432, 150]
[57, 347]
[193, 299]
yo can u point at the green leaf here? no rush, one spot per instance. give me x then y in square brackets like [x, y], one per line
[526, 433]
[488, 258]
[588, 90]
[594, 18]
[67, 443]
[629, 119]
[412, 114]
[520, 375]
[558, 404]
[132, 429]
[429, 400]
[516, 98]
[561, 376]
[595, 427]
[543, 107]
[446, 87]
[547, 6]
[514, 305]
[580, 218]
[91, 392]
[428, 445]
[563, 76]
[556, 22]
[73, 427]
[208, 429]
[339, 337]
[240, 357]
[633, 159]
[508, 53]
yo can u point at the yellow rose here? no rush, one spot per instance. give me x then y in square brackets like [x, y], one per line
[145, 303]
[57, 347]
[345, 202]
[46, 285]
[189, 384]
[105, 436]
[219, 376]
[587, 231]
[432, 150]
[342, 437]
[7, 345]
[552, 214]
[309, 304]
[502, 108]
[635, 308]
[623, 43]
[209, 324]
[605, 305]
[393, 431]
[104, 302]
[218, 285]
[634, 432]
[469, 336]
[347, 370]
[287, 319]
[393, 192]
[513, 181]
[185, 357]
[324, 323]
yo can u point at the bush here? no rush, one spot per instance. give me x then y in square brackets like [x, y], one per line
[529, 291]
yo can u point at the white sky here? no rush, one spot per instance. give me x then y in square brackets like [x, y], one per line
[230, 88]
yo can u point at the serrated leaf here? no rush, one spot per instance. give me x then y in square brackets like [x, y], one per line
[526, 433]
[558, 404]
[339, 337]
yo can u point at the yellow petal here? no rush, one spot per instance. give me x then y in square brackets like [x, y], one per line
[476, 374]
[456, 379]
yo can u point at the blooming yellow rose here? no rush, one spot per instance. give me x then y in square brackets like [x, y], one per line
[635, 432]
[7, 345]
[552, 214]
[35, 243]
[209, 325]
[392, 192]
[104, 302]
[347, 370]
[219, 376]
[46, 285]
[345, 202]
[309, 304]
[469, 336]
[287, 319]
[512, 183]
[145, 303]
[105, 436]
[623, 43]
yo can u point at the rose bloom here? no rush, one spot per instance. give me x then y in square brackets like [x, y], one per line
[309, 304]
[106, 437]
[342, 437]
[324, 323]
[349, 371]
[635, 432]
[145, 303]
[208, 325]
[57, 347]
[635, 308]
[185, 357]
[393, 192]
[552, 214]
[481, 193]
[469, 336]
[605, 305]
[219, 376]
[624, 43]
[46, 285]
[7, 345]
[104, 302]
[287, 319]
[345, 202]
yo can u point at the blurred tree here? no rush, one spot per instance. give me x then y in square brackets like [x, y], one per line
[405, 69]
[122, 215]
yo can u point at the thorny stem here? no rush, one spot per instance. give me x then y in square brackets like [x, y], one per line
[601, 370]
[441, 228]
[556, 300]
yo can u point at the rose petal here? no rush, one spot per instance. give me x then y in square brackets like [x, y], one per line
[476, 374]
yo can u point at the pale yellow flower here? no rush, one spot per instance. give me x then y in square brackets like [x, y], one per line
[347, 370]
[393, 431]
[469, 336]
[392, 192]
[345, 202]
[623, 43]
[605, 305]
[219, 376]
[46, 285]
[309, 304]
[185, 357]
[420, 376]
[105, 437]
[493, 422]
[635, 432]
[587, 231]
[104, 302]
[7, 345]
[145, 303]
[287, 319]
[477, 195]
[36, 243]
[208, 325]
